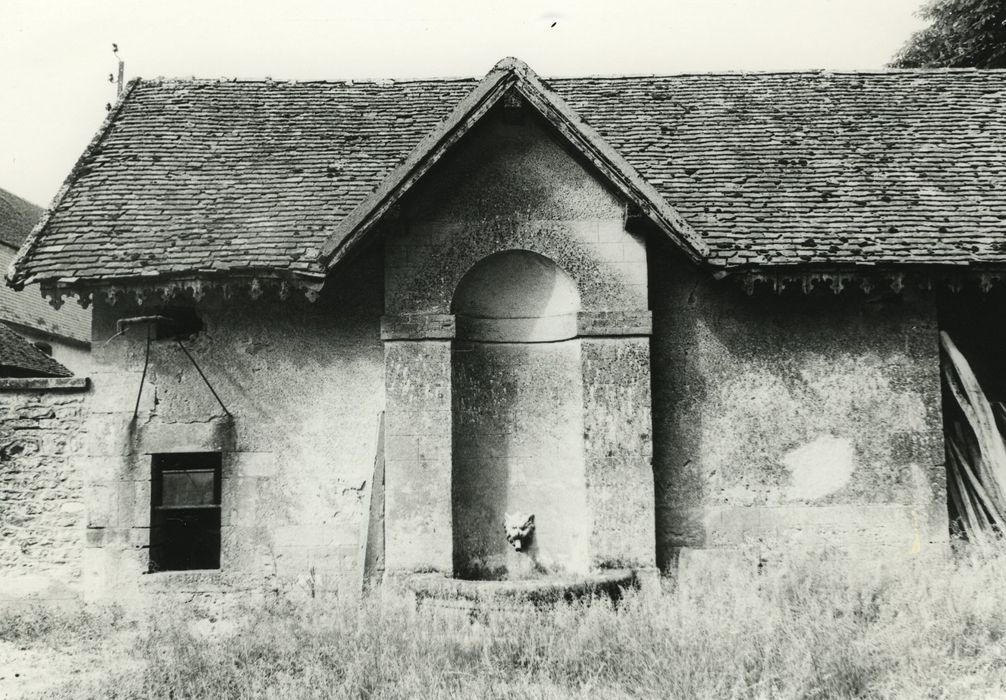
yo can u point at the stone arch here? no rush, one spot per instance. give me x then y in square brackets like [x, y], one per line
[428, 287]
[517, 417]
[516, 296]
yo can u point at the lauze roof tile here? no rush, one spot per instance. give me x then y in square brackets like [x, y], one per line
[18, 358]
[768, 169]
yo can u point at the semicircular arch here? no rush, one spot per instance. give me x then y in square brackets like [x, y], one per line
[516, 296]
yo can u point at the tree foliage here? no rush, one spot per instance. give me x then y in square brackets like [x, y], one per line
[961, 34]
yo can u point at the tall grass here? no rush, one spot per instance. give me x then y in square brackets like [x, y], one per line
[812, 627]
[60, 626]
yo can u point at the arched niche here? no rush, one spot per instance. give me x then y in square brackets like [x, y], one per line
[516, 296]
[517, 418]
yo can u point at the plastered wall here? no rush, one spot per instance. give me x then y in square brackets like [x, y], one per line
[74, 356]
[794, 420]
[304, 384]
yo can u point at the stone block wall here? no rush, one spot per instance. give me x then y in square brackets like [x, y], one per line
[514, 186]
[618, 449]
[426, 260]
[519, 447]
[418, 456]
[41, 491]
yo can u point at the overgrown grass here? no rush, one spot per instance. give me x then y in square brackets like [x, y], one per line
[63, 626]
[809, 628]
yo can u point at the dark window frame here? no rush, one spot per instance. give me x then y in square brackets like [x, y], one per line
[184, 537]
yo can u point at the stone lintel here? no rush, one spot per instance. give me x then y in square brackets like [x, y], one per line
[615, 323]
[189, 436]
[68, 384]
[418, 327]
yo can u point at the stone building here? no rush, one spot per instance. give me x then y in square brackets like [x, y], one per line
[341, 329]
[64, 333]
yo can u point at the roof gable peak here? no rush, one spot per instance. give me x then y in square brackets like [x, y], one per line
[510, 63]
[510, 73]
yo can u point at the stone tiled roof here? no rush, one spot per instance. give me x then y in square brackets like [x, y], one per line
[770, 169]
[17, 218]
[20, 358]
[219, 175]
[27, 308]
[515, 79]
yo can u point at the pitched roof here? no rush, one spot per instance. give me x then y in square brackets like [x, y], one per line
[17, 218]
[832, 168]
[27, 308]
[20, 358]
[507, 75]
[768, 169]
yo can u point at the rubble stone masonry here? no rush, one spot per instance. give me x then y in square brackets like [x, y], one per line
[41, 494]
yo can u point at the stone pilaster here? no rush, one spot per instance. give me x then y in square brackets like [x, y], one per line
[418, 456]
[618, 448]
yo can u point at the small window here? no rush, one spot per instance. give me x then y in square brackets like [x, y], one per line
[44, 347]
[185, 512]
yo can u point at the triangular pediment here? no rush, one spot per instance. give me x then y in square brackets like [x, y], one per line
[511, 75]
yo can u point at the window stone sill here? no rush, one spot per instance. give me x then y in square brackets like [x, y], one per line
[197, 581]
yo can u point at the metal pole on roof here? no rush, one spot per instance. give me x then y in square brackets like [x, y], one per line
[122, 70]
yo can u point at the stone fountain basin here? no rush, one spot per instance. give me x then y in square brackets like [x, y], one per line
[442, 591]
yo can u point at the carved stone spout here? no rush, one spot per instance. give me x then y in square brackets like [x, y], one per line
[519, 530]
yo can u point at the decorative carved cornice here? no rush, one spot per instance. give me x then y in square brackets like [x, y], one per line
[867, 280]
[164, 290]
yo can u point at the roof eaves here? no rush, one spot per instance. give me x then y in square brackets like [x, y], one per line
[168, 285]
[15, 276]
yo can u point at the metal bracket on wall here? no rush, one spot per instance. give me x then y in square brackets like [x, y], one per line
[123, 324]
[205, 380]
[143, 377]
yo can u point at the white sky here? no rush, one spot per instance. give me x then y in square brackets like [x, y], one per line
[55, 56]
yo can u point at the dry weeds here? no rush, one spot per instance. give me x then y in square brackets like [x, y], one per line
[800, 627]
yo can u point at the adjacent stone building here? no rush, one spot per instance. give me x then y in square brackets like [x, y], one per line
[64, 334]
[341, 330]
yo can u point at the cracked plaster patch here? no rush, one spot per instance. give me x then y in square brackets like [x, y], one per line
[819, 468]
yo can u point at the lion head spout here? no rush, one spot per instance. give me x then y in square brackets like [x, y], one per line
[519, 529]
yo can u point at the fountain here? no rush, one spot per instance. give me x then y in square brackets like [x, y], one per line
[542, 507]
[528, 581]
